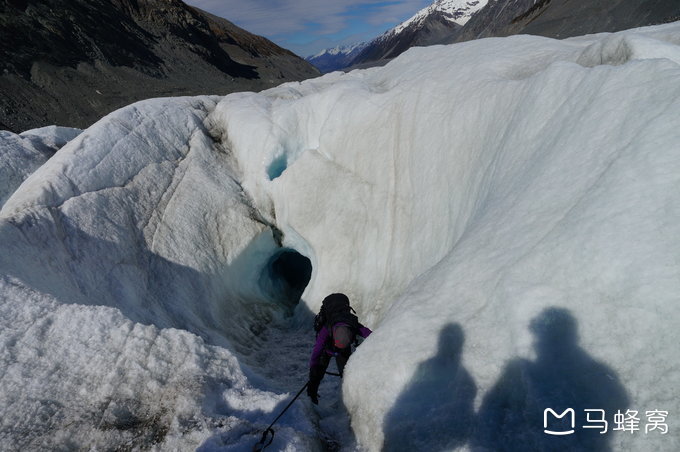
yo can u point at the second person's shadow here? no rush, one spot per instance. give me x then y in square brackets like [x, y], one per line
[563, 376]
[435, 411]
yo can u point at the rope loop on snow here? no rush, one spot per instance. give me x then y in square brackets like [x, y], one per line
[259, 447]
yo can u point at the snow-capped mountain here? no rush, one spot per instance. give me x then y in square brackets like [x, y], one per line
[338, 57]
[428, 26]
[457, 11]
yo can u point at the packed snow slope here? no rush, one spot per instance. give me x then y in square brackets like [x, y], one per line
[503, 213]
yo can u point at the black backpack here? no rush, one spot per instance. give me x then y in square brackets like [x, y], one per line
[336, 309]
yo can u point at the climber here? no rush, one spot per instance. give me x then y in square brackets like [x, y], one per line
[336, 330]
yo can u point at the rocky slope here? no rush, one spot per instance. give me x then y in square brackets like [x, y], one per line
[70, 63]
[564, 18]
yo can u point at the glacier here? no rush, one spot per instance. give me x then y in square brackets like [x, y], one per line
[23, 153]
[503, 213]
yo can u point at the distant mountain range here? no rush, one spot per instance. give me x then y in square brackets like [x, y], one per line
[450, 21]
[339, 57]
[70, 63]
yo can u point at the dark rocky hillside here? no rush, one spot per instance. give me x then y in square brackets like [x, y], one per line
[564, 18]
[70, 63]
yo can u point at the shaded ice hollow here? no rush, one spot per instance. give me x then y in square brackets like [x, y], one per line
[503, 213]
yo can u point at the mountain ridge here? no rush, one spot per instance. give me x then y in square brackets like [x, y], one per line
[562, 19]
[428, 26]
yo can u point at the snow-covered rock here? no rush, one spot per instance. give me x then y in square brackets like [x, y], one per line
[503, 213]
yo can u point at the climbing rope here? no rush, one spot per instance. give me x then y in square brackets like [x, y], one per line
[260, 446]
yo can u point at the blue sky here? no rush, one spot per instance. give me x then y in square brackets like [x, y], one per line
[307, 26]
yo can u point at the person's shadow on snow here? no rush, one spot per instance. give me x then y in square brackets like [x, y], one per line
[563, 376]
[435, 411]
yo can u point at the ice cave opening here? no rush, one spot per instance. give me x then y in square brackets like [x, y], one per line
[285, 276]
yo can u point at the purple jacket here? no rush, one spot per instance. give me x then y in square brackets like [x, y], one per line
[323, 337]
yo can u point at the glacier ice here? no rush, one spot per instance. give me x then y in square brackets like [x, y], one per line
[502, 213]
[21, 154]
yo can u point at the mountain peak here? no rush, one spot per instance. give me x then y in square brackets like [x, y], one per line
[457, 11]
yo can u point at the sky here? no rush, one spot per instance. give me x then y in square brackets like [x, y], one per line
[308, 26]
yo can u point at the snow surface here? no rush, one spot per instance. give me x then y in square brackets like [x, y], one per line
[22, 154]
[503, 213]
